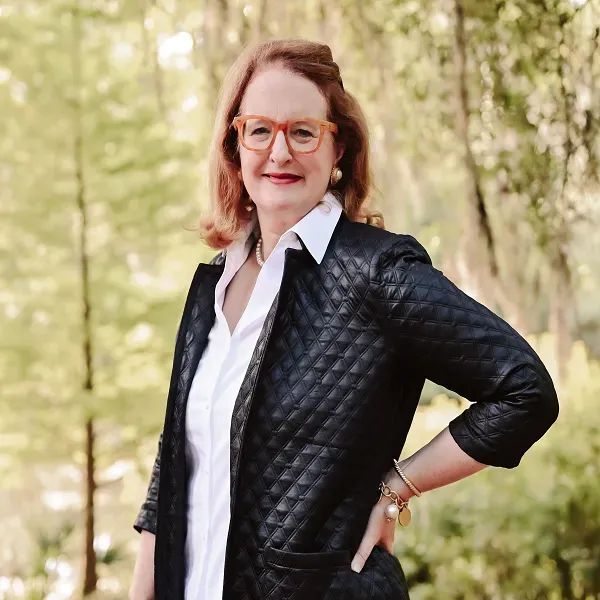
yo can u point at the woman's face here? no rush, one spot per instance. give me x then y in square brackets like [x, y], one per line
[280, 95]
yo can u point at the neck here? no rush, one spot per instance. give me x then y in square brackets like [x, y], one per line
[272, 228]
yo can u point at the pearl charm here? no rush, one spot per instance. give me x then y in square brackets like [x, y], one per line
[259, 258]
[391, 511]
[397, 509]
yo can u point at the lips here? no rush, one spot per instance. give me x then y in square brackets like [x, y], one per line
[282, 177]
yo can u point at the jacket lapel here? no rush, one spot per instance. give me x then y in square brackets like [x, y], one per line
[201, 318]
[294, 260]
[196, 323]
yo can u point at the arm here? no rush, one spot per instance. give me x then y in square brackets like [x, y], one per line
[142, 584]
[457, 342]
[146, 519]
[438, 463]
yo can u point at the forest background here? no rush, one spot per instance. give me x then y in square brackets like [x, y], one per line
[484, 119]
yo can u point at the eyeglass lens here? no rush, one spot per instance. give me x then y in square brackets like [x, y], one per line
[303, 136]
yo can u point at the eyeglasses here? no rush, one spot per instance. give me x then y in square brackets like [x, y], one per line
[303, 136]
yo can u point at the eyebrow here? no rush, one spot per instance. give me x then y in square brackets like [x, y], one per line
[300, 116]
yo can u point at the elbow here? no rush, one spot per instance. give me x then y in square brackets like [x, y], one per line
[544, 410]
[549, 406]
[145, 520]
[499, 433]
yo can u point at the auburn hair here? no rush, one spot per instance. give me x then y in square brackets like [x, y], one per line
[227, 213]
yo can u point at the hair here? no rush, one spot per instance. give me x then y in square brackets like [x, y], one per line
[228, 196]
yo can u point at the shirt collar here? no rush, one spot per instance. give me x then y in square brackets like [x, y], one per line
[314, 229]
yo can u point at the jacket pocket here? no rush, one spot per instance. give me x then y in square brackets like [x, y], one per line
[307, 560]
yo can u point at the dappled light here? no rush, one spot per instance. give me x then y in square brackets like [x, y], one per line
[484, 120]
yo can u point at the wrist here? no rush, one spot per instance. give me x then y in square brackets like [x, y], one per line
[396, 483]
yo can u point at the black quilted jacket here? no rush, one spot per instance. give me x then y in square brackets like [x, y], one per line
[325, 405]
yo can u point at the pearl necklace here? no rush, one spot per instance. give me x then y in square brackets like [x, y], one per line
[259, 258]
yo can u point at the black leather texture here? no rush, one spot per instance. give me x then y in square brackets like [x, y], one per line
[146, 518]
[325, 406]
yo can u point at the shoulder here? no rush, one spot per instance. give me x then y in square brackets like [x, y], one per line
[379, 247]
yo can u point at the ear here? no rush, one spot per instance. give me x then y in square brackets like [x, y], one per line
[340, 152]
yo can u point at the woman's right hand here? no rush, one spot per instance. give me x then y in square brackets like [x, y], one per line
[142, 584]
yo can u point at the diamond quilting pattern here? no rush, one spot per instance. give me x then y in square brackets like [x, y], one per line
[462, 345]
[197, 320]
[327, 402]
[146, 518]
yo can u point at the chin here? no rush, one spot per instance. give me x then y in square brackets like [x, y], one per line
[282, 199]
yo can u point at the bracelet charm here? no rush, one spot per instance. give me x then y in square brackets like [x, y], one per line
[398, 507]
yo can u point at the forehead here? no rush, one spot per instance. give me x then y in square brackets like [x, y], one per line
[282, 95]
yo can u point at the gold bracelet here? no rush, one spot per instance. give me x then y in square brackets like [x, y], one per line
[406, 479]
[397, 508]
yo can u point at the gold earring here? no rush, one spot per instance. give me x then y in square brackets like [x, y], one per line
[336, 175]
[250, 206]
[239, 175]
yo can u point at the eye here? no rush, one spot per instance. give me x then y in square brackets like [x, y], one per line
[303, 133]
[259, 131]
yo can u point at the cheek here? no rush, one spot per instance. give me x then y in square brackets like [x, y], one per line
[324, 159]
[250, 161]
[316, 166]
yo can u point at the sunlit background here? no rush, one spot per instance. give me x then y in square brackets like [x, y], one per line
[484, 119]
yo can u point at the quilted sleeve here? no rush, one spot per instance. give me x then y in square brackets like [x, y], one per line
[146, 518]
[460, 344]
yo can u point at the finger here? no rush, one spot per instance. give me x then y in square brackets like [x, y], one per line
[363, 552]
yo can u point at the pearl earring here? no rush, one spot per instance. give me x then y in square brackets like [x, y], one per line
[336, 175]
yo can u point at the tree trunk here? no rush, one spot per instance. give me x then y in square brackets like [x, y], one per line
[150, 61]
[481, 273]
[259, 28]
[478, 238]
[90, 576]
[565, 577]
[559, 324]
[561, 275]
[215, 49]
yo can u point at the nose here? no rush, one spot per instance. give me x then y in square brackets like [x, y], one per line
[280, 153]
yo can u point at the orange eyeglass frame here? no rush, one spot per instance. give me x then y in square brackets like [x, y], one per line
[240, 120]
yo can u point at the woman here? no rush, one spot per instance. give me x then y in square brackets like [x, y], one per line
[301, 354]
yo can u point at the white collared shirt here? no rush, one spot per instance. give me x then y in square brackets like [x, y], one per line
[215, 387]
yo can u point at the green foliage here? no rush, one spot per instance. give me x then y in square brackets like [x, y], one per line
[47, 552]
[113, 100]
[530, 532]
[110, 555]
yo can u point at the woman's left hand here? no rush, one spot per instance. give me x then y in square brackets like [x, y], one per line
[379, 532]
